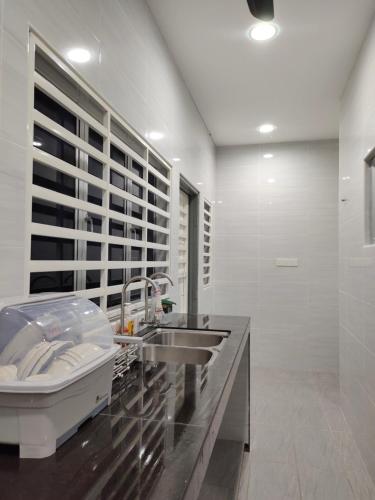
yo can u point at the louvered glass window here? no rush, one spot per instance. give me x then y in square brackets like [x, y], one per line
[100, 198]
[207, 243]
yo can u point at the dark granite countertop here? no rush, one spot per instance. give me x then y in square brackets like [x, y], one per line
[148, 442]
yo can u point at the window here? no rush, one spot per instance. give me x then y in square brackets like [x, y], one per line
[183, 252]
[100, 198]
[370, 197]
[207, 242]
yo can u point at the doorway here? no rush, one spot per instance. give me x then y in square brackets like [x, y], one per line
[188, 248]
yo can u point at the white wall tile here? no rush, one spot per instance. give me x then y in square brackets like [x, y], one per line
[12, 211]
[295, 309]
[131, 68]
[238, 270]
[235, 298]
[270, 273]
[14, 94]
[12, 264]
[282, 316]
[357, 262]
[243, 245]
[280, 245]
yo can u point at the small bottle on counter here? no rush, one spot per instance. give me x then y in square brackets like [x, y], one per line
[128, 322]
[135, 320]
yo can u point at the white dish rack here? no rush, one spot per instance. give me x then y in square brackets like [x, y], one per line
[124, 359]
[56, 363]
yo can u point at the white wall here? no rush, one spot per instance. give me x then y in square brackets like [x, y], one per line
[357, 262]
[294, 310]
[131, 69]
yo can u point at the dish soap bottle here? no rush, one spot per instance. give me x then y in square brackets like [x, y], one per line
[128, 324]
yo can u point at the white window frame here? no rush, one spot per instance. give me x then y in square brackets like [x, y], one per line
[34, 191]
[183, 252]
[207, 211]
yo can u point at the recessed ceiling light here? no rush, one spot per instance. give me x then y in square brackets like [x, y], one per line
[271, 180]
[155, 136]
[260, 32]
[176, 159]
[220, 202]
[266, 128]
[267, 156]
[79, 55]
[199, 183]
[37, 144]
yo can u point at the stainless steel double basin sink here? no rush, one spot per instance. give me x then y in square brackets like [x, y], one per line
[199, 347]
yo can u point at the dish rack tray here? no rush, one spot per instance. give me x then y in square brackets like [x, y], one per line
[124, 359]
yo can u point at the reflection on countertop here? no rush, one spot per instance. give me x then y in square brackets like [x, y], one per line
[147, 443]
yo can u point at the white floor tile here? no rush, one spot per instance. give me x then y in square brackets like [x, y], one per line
[303, 448]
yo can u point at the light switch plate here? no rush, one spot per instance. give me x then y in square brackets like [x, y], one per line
[286, 262]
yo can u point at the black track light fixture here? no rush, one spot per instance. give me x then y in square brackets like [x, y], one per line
[262, 9]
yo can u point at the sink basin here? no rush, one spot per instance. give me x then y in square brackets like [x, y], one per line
[182, 355]
[186, 339]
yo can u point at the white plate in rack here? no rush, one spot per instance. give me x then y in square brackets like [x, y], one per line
[56, 347]
[86, 351]
[21, 344]
[8, 372]
[60, 367]
[71, 358]
[31, 359]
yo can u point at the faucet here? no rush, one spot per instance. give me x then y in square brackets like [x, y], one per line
[123, 298]
[152, 277]
[162, 275]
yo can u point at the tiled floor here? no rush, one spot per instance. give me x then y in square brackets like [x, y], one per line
[302, 447]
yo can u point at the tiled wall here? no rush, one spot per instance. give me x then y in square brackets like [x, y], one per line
[285, 206]
[357, 261]
[131, 68]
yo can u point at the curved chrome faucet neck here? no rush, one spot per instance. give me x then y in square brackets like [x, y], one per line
[162, 275]
[123, 297]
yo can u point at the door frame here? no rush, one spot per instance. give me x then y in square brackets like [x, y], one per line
[193, 268]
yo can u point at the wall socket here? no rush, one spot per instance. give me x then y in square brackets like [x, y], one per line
[286, 262]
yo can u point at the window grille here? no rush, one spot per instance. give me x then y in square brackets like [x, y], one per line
[207, 243]
[99, 207]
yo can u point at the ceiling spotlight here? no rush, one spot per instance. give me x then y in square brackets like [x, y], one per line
[220, 202]
[266, 128]
[261, 32]
[155, 136]
[199, 183]
[176, 160]
[79, 55]
[268, 156]
[271, 180]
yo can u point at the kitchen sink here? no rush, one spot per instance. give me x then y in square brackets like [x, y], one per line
[187, 338]
[182, 355]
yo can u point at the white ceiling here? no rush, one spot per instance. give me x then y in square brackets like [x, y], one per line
[294, 81]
